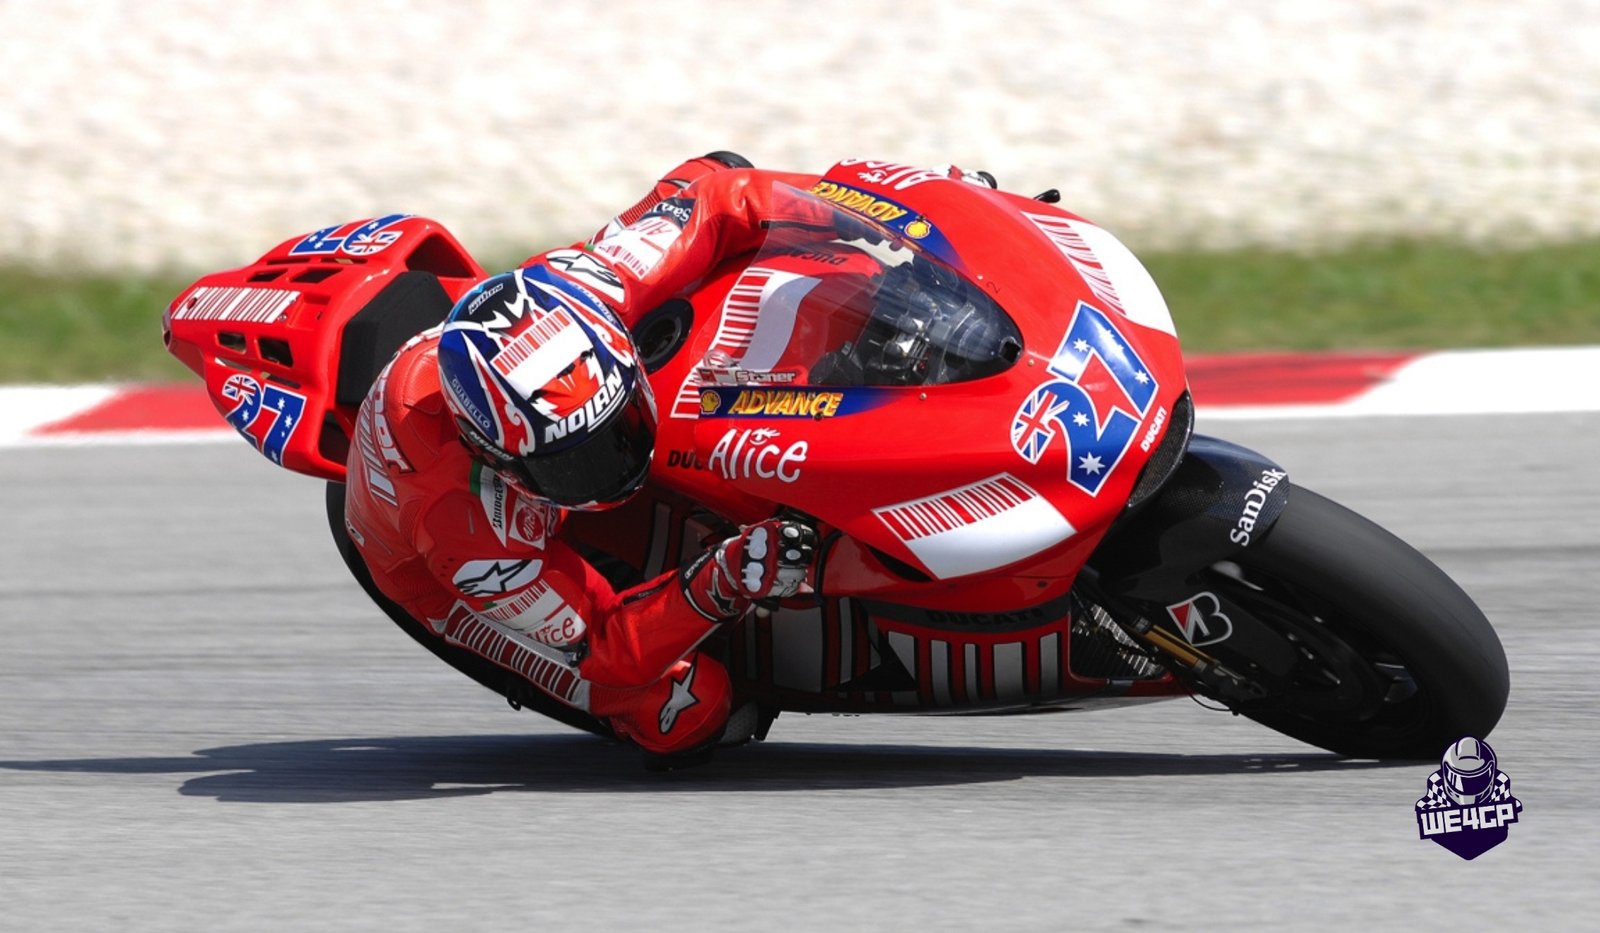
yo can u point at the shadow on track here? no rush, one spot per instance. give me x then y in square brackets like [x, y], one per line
[418, 768]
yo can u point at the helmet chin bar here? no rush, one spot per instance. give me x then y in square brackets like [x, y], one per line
[627, 491]
[599, 472]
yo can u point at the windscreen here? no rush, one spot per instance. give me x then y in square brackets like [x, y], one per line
[849, 302]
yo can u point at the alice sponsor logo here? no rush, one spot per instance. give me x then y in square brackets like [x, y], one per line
[756, 455]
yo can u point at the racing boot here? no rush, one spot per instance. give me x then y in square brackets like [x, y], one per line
[680, 718]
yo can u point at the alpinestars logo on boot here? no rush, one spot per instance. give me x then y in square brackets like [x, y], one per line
[1468, 807]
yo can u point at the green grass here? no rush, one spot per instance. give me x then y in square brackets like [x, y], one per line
[1398, 295]
[68, 328]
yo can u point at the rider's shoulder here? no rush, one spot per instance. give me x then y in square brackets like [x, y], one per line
[406, 412]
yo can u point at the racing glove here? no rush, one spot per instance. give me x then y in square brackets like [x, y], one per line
[671, 184]
[765, 561]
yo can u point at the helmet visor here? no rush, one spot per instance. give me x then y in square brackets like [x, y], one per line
[1470, 784]
[606, 468]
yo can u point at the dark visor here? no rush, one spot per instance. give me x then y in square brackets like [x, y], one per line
[607, 467]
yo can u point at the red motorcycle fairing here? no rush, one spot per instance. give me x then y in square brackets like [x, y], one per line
[269, 339]
[964, 388]
[967, 486]
[960, 484]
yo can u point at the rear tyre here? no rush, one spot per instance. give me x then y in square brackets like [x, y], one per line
[1395, 660]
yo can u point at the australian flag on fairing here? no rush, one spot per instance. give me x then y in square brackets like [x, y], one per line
[1096, 402]
[265, 415]
[1037, 423]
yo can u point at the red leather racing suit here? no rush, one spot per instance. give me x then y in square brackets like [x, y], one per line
[483, 563]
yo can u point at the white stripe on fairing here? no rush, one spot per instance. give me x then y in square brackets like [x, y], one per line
[994, 541]
[1141, 298]
[780, 302]
[1132, 292]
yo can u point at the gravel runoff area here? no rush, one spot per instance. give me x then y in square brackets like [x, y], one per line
[194, 133]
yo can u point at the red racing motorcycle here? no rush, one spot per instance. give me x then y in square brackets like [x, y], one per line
[979, 401]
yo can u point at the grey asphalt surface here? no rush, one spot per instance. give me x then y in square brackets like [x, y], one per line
[203, 727]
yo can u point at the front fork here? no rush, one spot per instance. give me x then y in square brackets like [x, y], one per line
[1148, 572]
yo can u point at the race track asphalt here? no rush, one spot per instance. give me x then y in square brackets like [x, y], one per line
[203, 727]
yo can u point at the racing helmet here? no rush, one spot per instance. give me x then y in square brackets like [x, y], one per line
[1468, 769]
[545, 387]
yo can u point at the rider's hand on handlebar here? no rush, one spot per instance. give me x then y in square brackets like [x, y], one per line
[770, 558]
[765, 561]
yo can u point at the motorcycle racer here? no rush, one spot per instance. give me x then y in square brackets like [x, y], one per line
[957, 491]
[530, 401]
